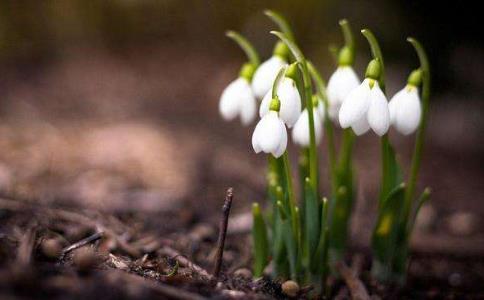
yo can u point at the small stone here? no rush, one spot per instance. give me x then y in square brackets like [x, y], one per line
[455, 279]
[244, 273]
[290, 288]
[51, 248]
[85, 259]
[462, 223]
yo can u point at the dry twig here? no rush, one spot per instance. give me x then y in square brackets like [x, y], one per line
[223, 232]
[90, 239]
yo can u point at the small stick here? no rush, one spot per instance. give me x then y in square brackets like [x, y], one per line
[223, 232]
[356, 287]
[92, 238]
[185, 262]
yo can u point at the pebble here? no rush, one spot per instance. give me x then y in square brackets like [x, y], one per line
[462, 223]
[290, 288]
[244, 273]
[455, 279]
[51, 248]
[85, 259]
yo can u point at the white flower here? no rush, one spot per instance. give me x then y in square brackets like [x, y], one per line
[300, 133]
[265, 74]
[270, 135]
[365, 108]
[238, 99]
[290, 102]
[343, 81]
[405, 110]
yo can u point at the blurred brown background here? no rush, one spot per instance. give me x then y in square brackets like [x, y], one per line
[113, 104]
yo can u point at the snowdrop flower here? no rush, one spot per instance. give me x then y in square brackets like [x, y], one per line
[343, 81]
[300, 133]
[266, 73]
[238, 99]
[270, 134]
[366, 106]
[290, 102]
[405, 109]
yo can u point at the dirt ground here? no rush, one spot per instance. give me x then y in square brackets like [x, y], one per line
[129, 152]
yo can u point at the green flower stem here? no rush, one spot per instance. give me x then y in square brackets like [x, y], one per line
[313, 162]
[277, 81]
[419, 140]
[281, 22]
[376, 53]
[328, 125]
[346, 55]
[347, 34]
[246, 46]
[386, 185]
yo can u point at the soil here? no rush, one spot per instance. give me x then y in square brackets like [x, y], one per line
[113, 173]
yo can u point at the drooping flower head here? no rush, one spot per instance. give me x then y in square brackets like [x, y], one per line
[289, 97]
[266, 73]
[405, 107]
[238, 99]
[343, 81]
[300, 132]
[270, 135]
[366, 106]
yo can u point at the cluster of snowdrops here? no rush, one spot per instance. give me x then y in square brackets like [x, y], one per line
[303, 240]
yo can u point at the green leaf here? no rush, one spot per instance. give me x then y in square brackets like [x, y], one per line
[424, 197]
[290, 241]
[260, 242]
[279, 252]
[386, 232]
[312, 219]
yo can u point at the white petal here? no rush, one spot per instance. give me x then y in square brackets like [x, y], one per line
[265, 104]
[264, 75]
[321, 110]
[229, 101]
[361, 126]
[283, 142]
[300, 132]
[340, 84]
[248, 108]
[255, 137]
[290, 102]
[270, 134]
[408, 113]
[378, 112]
[355, 105]
[394, 103]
